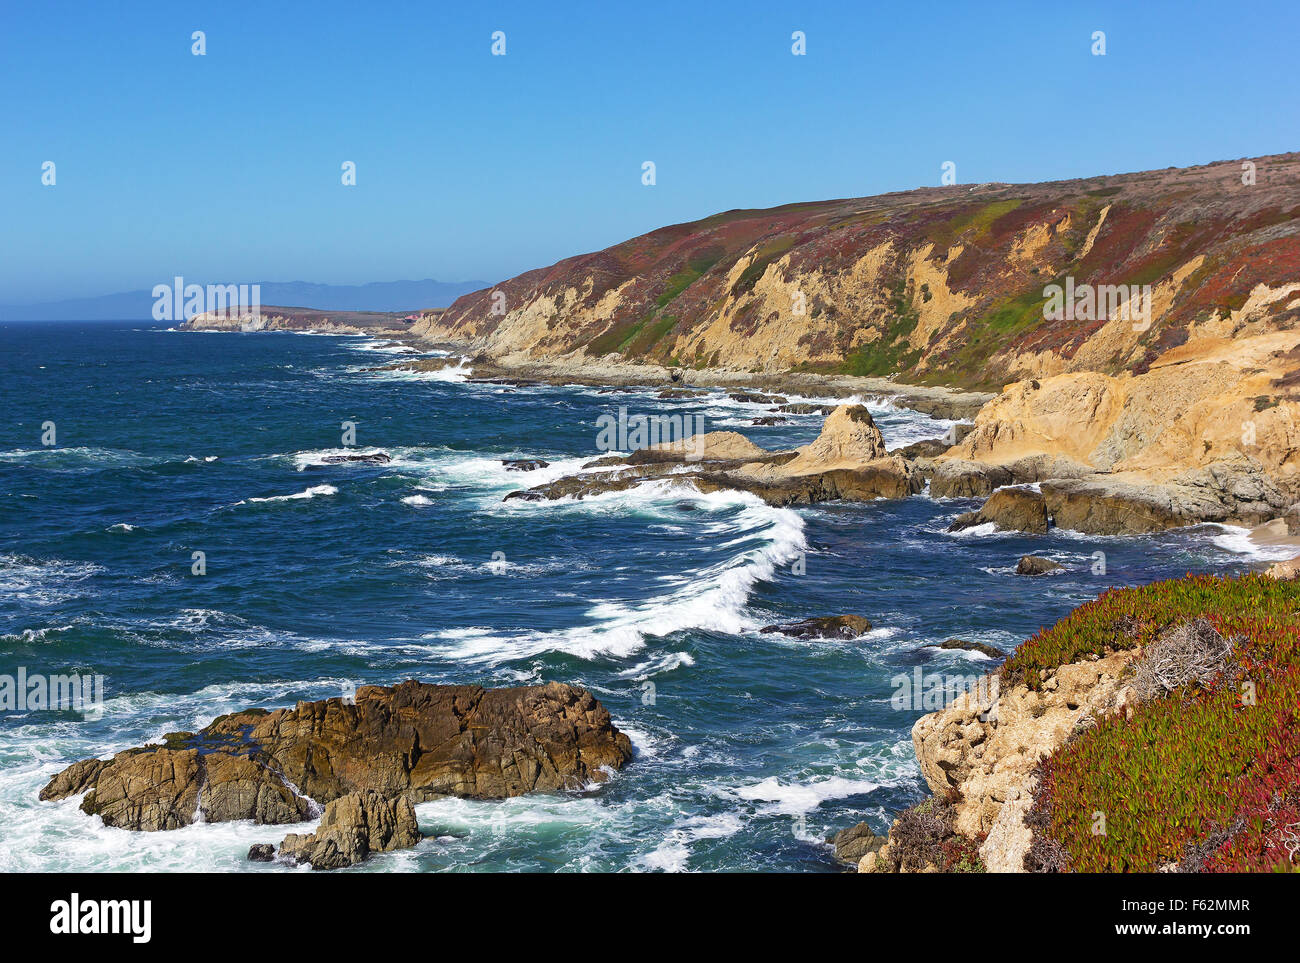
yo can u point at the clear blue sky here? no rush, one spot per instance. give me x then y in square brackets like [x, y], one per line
[226, 168]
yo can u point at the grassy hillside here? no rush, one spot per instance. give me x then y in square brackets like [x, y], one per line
[937, 285]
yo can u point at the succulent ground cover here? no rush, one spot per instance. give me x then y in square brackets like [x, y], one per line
[1205, 777]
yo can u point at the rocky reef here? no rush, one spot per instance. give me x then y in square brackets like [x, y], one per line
[365, 760]
[847, 461]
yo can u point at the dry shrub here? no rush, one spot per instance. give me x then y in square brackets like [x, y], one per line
[1191, 651]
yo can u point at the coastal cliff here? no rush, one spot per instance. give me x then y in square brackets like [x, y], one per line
[1153, 729]
[304, 320]
[1170, 403]
[941, 285]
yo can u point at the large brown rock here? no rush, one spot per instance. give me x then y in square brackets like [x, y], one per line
[1037, 565]
[431, 740]
[414, 740]
[1011, 510]
[955, 478]
[886, 478]
[852, 844]
[353, 827]
[846, 462]
[173, 785]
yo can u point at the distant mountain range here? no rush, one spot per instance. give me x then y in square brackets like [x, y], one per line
[138, 305]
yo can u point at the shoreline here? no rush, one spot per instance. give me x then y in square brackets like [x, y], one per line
[938, 402]
[1274, 533]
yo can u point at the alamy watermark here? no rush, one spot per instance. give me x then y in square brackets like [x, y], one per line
[626, 432]
[179, 301]
[931, 691]
[35, 692]
[1101, 302]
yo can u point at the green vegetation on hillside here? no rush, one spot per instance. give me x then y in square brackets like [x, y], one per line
[891, 352]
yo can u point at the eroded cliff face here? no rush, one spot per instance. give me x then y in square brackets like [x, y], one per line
[937, 285]
[1224, 396]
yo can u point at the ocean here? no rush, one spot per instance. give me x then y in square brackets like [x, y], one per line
[316, 577]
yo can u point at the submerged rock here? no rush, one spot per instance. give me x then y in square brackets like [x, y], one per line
[374, 458]
[824, 627]
[261, 853]
[1037, 565]
[988, 650]
[524, 464]
[414, 740]
[757, 398]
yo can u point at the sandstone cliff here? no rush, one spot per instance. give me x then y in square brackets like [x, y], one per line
[940, 285]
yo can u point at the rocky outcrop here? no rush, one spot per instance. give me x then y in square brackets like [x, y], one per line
[823, 627]
[887, 478]
[242, 319]
[847, 461]
[173, 785]
[1037, 565]
[981, 750]
[1232, 492]
[1071, 496]
[1286, 570]
[353, 827]
[963, 645]
[1011, 510]
[414, 740]
[852, 844]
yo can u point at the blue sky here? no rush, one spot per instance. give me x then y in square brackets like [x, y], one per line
[226, 167]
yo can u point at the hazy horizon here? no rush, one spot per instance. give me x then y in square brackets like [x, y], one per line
[228, 166]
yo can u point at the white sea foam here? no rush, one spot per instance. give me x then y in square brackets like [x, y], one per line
[452, 374]
[979, 531]
[713, 598]
[672, 855]
[43, 581]
[793, 799]
[1238, 541]
[313, 492]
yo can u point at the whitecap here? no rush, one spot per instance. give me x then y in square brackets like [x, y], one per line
[313, 492]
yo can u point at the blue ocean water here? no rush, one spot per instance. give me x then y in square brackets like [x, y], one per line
[751, 748]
